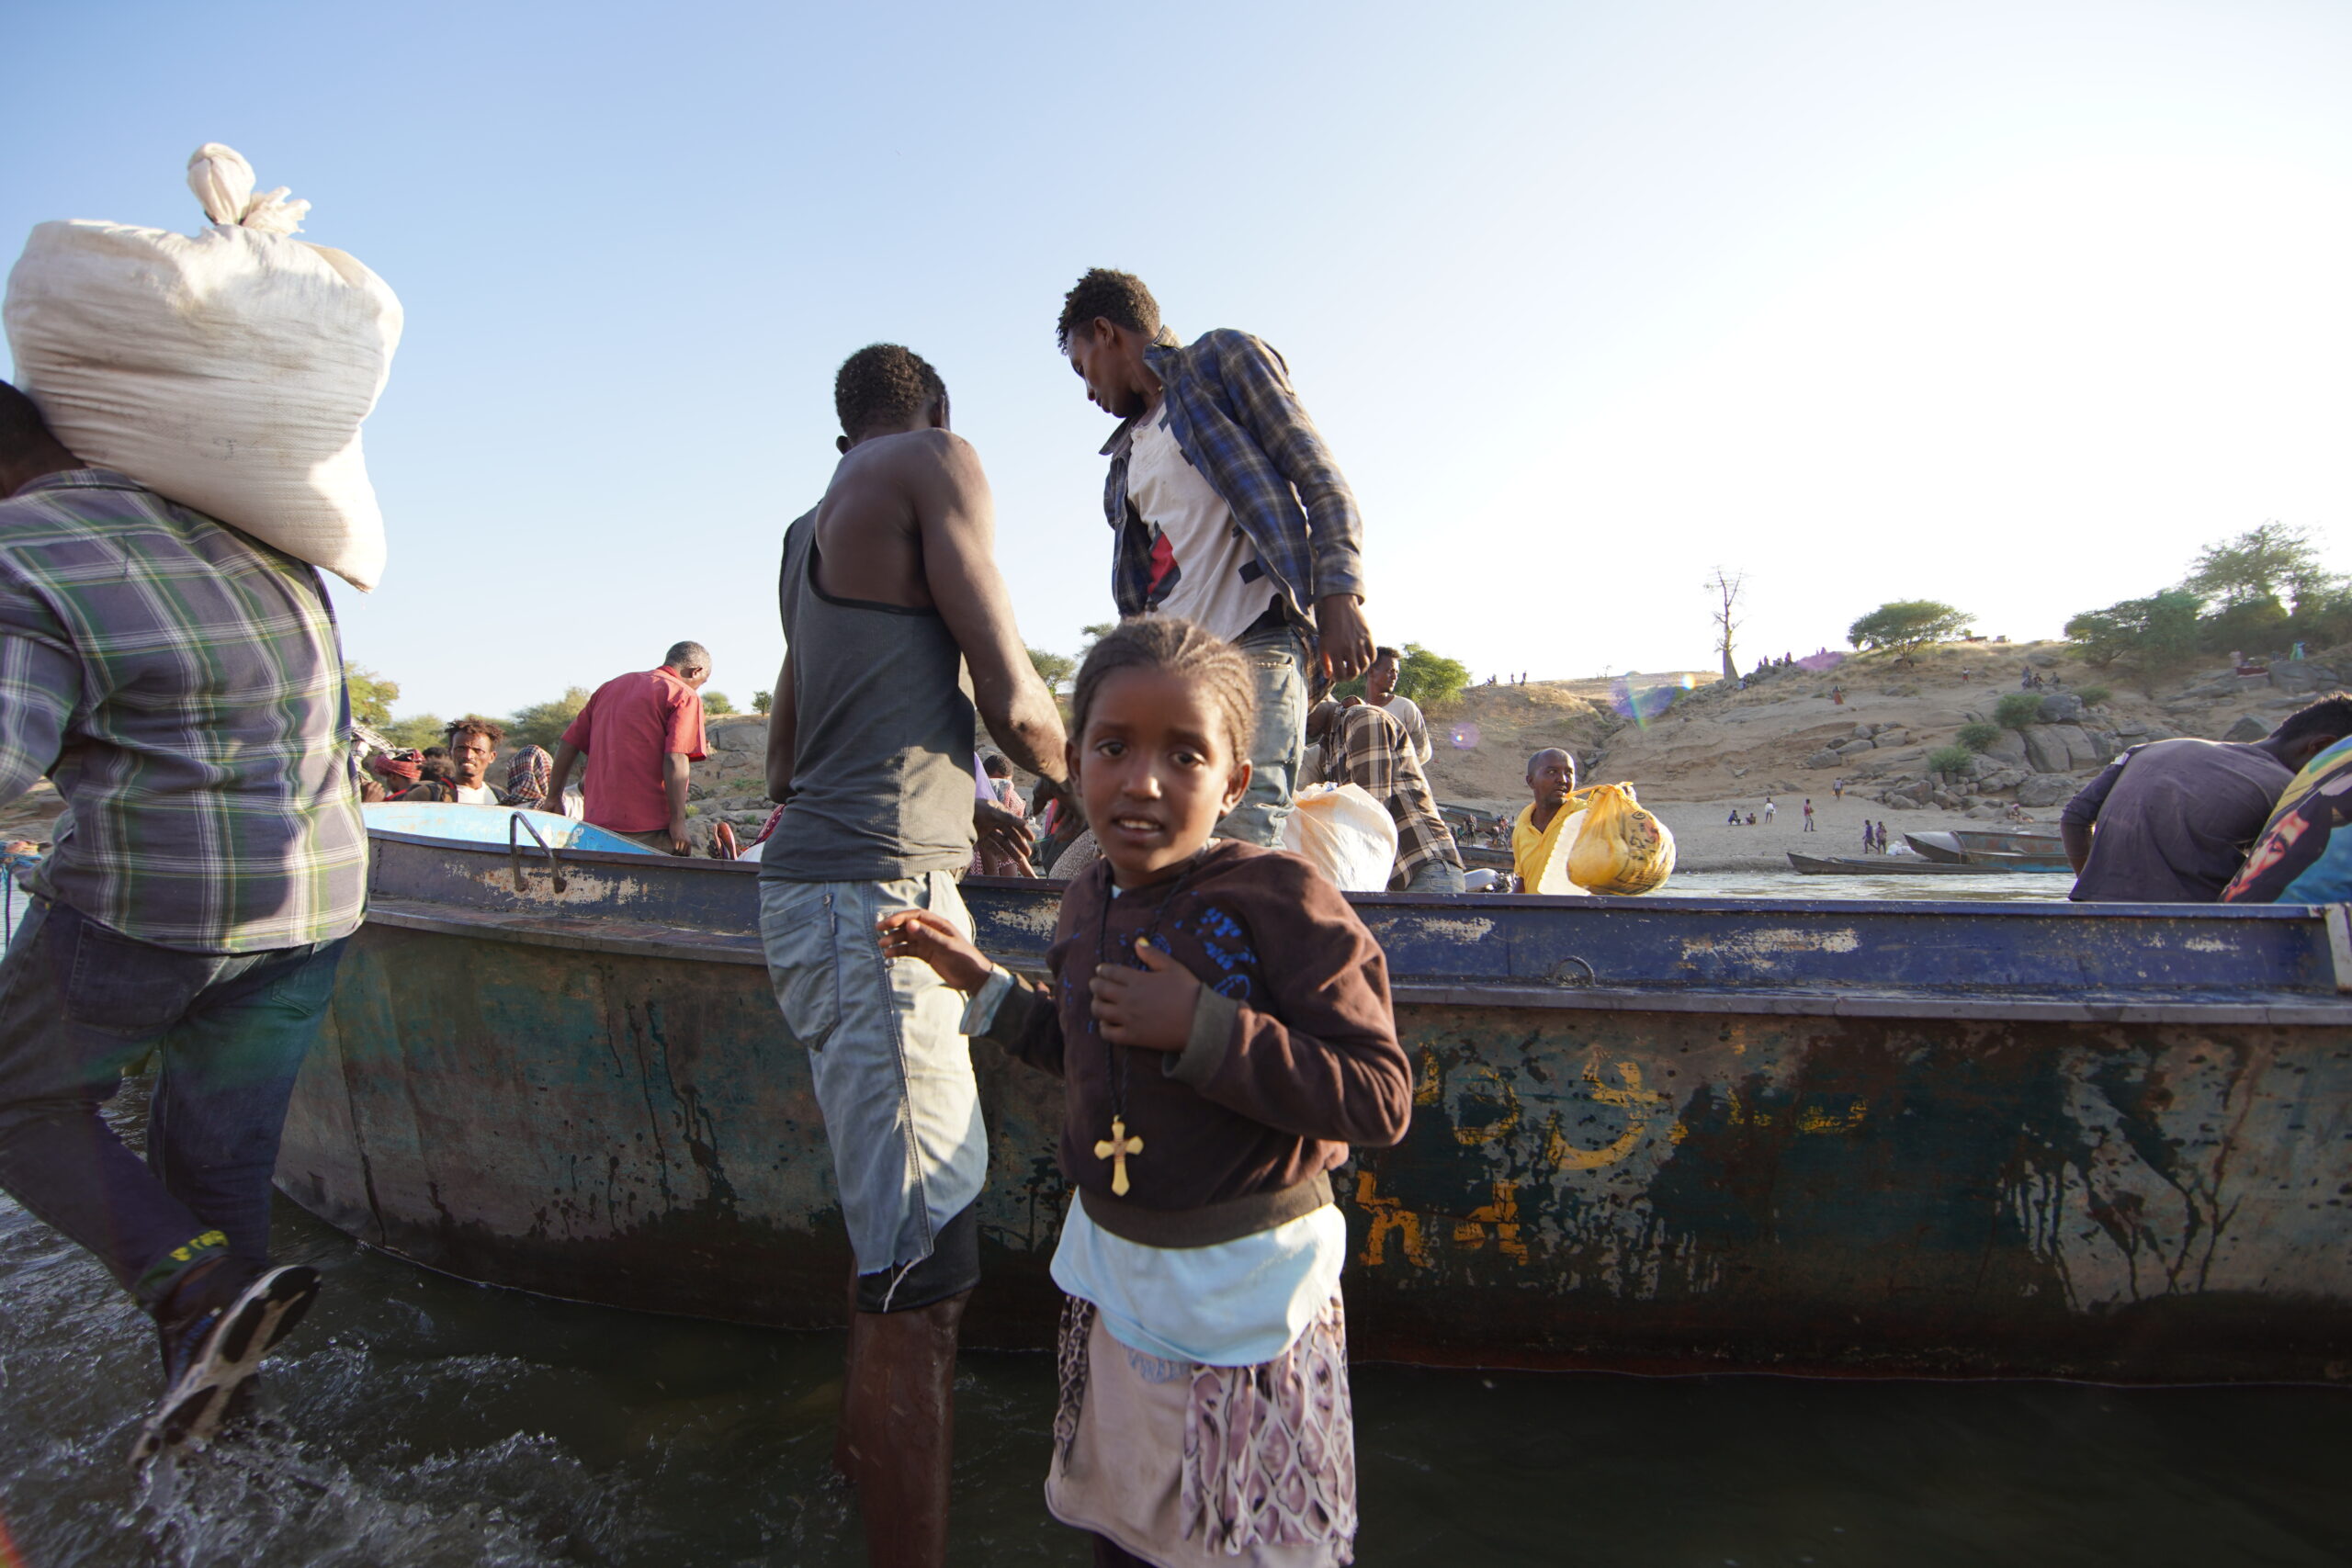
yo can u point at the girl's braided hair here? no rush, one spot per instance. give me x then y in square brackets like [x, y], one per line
[1179, 647]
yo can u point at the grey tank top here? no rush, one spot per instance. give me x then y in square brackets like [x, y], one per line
[882, 763]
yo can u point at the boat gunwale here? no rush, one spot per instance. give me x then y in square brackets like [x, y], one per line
[643, 939]
[2011, 908]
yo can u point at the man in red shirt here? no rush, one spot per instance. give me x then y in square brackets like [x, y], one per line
[639, 732]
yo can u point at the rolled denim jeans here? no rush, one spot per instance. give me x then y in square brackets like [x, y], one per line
[1278, 746]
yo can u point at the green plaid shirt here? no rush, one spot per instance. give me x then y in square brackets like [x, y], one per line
[183, 685]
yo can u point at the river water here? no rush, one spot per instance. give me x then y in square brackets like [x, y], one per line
[418, 1422]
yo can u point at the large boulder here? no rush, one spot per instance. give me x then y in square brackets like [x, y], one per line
[750, 734]
[2047, 749]
[2247, 728]
[2301, 675]
[2061, 707]
[2047, 789]
[1854, 749]
[2009, 749]
[1826, 758]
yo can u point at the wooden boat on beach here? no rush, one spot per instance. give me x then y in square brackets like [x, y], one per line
[1666, 1133]
[2003, 851]
[1882, 865]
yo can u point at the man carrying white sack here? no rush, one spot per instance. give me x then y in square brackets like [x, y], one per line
[183, 686]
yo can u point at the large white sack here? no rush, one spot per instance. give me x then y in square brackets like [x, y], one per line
[229, 371]
[1349, 836]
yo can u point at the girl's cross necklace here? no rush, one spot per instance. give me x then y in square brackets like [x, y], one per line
[1116, 1060]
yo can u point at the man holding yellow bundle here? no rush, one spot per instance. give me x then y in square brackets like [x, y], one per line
[1535, 837]
[1596, 840]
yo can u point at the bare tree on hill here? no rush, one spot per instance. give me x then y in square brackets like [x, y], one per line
[1727, 587]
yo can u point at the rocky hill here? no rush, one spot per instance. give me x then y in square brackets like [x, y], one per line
[1872, 719]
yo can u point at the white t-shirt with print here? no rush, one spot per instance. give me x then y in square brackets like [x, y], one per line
[1204, 566]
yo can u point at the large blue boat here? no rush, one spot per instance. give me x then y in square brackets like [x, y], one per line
[1666, 1133]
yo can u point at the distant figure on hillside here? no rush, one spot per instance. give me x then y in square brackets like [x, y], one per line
[1751, 820]
[1733, 819]
[1808, 814]
[1882, 838]
[1535, 835]
[1838, 696]
[1770, 809]
[2170, 822]
[640, 733]
[1380, 691]
[1837, 788]
[1870, 837]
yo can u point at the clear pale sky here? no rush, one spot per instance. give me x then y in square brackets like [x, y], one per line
[2013, 305]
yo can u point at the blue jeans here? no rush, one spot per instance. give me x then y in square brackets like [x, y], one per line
[79, 1006]
[1435, 876]
[1278, 669]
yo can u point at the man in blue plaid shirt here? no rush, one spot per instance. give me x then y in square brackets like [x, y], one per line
[182, 685]
[1226, 508]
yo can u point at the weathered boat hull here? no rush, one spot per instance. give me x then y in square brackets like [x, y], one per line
[1665, 1135]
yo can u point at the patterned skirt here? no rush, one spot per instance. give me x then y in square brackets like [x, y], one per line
[1180, 1463]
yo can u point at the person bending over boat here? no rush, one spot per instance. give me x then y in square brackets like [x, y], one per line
[1225, 507]
[1365, 745]
[183, 685]
[641, 733]
[1534, 837]
[474, 743]
[2170, 822]
[1221, 1023]
[890, 587]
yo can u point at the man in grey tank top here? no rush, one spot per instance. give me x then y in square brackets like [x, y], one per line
[889, 588]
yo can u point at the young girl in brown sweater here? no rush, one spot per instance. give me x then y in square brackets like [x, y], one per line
[1221, 1020]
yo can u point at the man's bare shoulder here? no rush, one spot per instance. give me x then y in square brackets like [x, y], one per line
[915, 454]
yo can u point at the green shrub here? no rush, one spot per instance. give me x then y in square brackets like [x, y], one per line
[718, 703]
[417, 731]
[1950, 760]
[2093, 696]
[2017, 709]
[1429, 678]
[762, 701]
[543, 724]
[1978, 737]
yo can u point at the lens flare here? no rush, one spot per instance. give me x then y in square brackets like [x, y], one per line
[1645, 703]
[1465, 737]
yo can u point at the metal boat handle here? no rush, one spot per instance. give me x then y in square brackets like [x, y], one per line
[1560, 975]
[514, 853]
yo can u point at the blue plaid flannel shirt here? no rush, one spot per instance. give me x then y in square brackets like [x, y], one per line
[1235, 419]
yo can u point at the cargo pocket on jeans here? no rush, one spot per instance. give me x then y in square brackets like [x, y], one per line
[804, 972]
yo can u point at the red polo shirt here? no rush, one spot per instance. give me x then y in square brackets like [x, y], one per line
[626, 727]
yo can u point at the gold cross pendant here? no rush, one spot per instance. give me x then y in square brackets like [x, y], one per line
[1116, 1148]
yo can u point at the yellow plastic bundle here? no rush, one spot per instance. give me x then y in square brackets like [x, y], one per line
[1620, 847]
